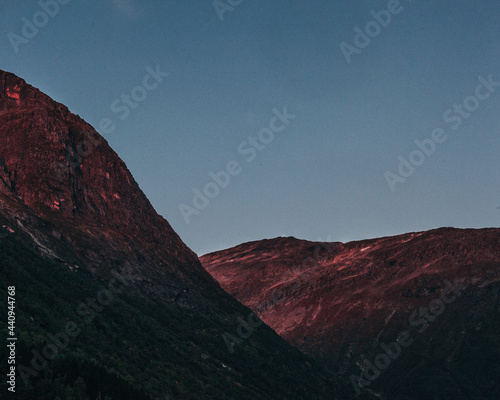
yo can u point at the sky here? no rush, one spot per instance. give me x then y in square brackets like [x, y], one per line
[243, 120]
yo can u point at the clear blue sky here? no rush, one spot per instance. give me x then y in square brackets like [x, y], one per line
[322, 176]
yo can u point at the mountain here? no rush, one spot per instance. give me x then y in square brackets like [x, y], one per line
[108, 302]
[58, 166]
[412, 316]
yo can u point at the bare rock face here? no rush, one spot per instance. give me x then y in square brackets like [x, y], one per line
[57, 166]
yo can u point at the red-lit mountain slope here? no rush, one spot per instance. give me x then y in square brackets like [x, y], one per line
[57, 165]
[340, 301]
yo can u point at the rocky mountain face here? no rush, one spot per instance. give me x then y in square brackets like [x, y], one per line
[432, 297]
[58, 166]
[83, 246]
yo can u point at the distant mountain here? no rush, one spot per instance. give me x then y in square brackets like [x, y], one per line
[109, 302]
[415, 316]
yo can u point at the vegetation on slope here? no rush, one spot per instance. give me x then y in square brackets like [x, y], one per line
[134, 347]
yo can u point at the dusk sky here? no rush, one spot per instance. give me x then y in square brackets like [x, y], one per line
[421, 96]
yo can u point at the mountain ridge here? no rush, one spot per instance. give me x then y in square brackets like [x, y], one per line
[338, 302]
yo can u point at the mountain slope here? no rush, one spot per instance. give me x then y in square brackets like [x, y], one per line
[63, 170]
[341, 302]
[110, 303]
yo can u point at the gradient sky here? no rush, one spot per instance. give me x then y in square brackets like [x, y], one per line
[322, 177]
